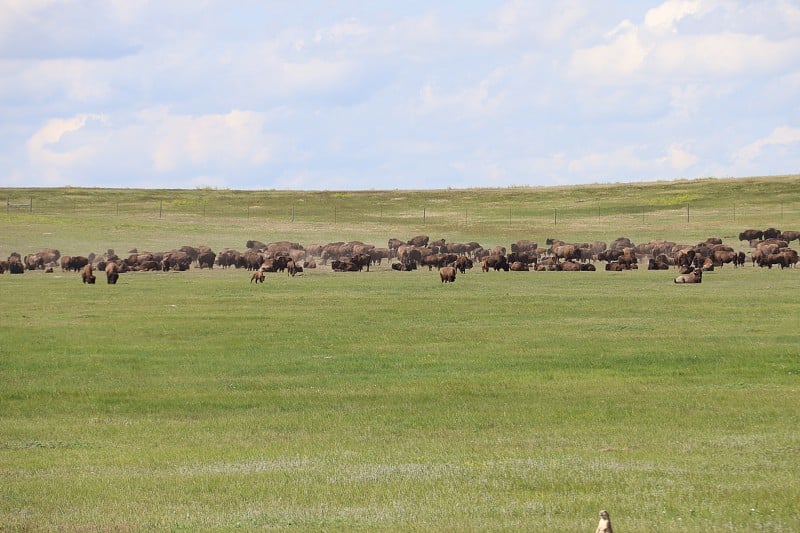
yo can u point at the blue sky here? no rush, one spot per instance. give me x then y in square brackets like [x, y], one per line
[353, 95]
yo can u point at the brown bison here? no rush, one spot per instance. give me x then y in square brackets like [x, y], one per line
[790, 236]
[86, 274]
[112, 272]
[15, 265]
[257, 276]
[292, 268]
[696, 276]
[496, 262]
[206, 259]
[447, 274]
[419, 240]
[751, 235]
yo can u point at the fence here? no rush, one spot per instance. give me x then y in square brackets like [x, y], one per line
[341, 211]
[28, 206]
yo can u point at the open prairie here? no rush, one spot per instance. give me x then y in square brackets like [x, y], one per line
[387, 400]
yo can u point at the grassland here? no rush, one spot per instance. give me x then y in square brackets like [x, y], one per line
[388, 401]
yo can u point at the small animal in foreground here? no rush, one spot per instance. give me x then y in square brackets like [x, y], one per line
[604, 526]
[257, 276]
[695, 276]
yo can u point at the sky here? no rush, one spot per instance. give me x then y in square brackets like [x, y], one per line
[383, 95]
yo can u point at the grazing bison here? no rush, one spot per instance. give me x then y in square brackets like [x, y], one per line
[206, 259]
[293, 268]
[790, 236]
[720, 257]
[86, 274]
[751, 235]
[419, 240]
[497, 262]
[524, 245]
[447, 274]
[696, 276]
[112, 273]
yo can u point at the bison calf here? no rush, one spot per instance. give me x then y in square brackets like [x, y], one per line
[257, 276]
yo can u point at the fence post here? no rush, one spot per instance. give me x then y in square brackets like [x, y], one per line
[161, 209]
[555, 217]
[423, 215]
[687, 213]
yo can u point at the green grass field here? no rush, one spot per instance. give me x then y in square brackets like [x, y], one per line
[389, 401]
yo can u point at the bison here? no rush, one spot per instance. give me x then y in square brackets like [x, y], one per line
[112, 272]
[447, 274]
[497, 262]
[696, 276]
[790, 236]
[257, 276]
[86, 274]
[206, 259]
[751, 235]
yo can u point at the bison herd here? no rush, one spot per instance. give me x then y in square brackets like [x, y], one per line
[768, 248]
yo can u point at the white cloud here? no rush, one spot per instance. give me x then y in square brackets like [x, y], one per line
[624, 56]
[205, 146]
[627, 163]
[606, 164]
[679, 158]
[231, 140]
[724, 54]
[656, 52]
[781, 136]
[50, 154]
[348, 29]
[664, 17]
[481, 99]
[512, 91]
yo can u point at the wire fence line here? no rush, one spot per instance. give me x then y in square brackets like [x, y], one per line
[342, 212]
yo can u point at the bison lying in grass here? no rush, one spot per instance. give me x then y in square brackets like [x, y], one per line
[696, 276]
